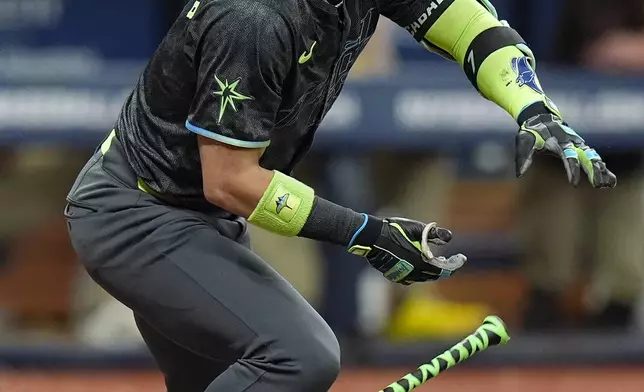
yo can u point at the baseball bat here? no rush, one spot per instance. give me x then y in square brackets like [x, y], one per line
[491, 333]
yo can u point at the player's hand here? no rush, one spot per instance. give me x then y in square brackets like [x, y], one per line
[548, 133]
[401, 251]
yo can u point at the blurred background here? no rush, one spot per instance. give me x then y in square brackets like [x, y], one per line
[408, 137]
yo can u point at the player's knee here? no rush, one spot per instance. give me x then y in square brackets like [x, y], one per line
[324, 358]
[310, 356]
[319, 357]
[319, 362]
[306, 362]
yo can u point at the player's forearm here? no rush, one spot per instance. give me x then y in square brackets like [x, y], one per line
[283, 205]
[239, 193]
[234, 181]
[488, 52]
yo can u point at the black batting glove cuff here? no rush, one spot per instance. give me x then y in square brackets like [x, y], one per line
[368, 233]
[534, 110]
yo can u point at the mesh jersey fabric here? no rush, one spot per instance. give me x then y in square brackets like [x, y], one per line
[251, 73]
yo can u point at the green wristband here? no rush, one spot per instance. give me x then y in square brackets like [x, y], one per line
[285, 206]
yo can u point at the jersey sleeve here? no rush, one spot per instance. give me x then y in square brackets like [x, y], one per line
[242, 57]
[416, 16]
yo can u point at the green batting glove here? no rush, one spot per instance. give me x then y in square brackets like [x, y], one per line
[548, 133]
[399, 249]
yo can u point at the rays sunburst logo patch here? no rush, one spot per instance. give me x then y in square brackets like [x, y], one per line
[229, 95]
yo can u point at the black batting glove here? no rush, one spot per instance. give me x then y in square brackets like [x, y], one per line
[548, 133]
[399, 249]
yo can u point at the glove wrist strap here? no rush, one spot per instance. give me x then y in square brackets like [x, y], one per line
[536, 109]
[533, 110]
[368, 233]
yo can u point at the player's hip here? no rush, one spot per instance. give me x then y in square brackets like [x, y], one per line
[108, 194]
[98, 190]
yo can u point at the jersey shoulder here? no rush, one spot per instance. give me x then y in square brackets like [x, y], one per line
[217, 20]
[245, 11]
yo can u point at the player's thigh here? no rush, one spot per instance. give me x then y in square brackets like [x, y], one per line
[261, 308]
[206, 292]
[184, 370]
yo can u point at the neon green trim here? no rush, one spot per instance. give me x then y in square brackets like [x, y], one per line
[360, 250]
[539, 143]
[285, 206]
[105, 147]
[459, 25]
[193, 10]
[415, 243]
[587, 163]
[306, 56]
[145, 188]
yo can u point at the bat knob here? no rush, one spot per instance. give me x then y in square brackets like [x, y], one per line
[495, 330]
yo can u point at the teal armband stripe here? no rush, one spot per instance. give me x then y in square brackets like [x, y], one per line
[285, 206]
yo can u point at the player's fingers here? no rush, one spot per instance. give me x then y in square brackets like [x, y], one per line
[439, 235]
[573, 170]
[444, 274]
[407, 227]
[426, 275]
[599, 175]
[525, 143]
[596, 170]
[570, 159]
[438, 274]
[451, 263]
[607, 179]
[433, 234]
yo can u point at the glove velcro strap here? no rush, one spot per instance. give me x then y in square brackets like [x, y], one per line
[365, 237]
[533, 110]
[537, 108]
[486, 43]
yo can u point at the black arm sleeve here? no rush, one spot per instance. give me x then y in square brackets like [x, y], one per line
[242, 54]
[329, 222]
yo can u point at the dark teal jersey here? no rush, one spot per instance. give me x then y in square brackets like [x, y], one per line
[250, 73]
